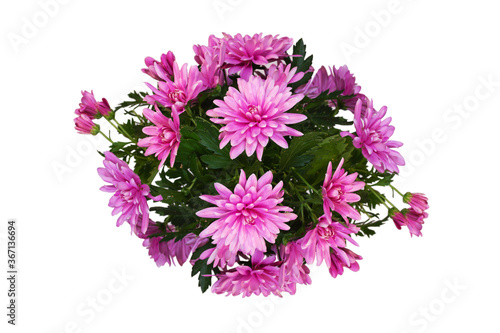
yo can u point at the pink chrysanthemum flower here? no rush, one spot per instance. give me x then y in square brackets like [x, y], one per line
[244, 51]
[398, 218]
[214, 43]
[90, 107]
[326, 236]
[211, 61]
[345, 81]
[130, 195]
[103, 107]
[261, 278]
[220, 255]
[249, 216]
[343, 258]
[417, 201]
[337, 192]
[409, 218]
[255, 114]
[165, 252]
[177, 93]
[283, 76]
[293, 270]
[320, 83]
[415, 220]
[350, 104]
[85, 125]
[372, 136]
[164, 138]
[158, 69]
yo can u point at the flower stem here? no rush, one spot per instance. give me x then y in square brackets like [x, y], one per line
[305, 182]
[124, 131]
[107, 137]
[395, 189]
[383, 199]
[190, 114]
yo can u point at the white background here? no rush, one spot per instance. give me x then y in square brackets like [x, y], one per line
[422, 61]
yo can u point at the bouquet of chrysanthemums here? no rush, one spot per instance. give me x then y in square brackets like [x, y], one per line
[250, 164]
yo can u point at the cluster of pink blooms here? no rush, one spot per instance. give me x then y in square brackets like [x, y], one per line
[412, 217]
[253, 114]
[89, 110]
[250, 215]
[246, 252]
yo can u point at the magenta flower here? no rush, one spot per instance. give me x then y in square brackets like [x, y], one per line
[214, 44]
[211, 62]
[85, 125]
[409, 218]
[321, 82]
[345, 81]
[282, 76]
[261, 278]
[341, 258]
[255, 114]
[417, 201]
[162, 68]
[325, 236]
[249, 216]
[220, 255]
[177, 93]
[398, 218]
[130, 195]
[90, 107]
[244, 51]
[164, 138]
[293, 270]
[350, 103]
[415, 220]
[372, 136]
[165, 252]
[337, 192]
[103, 107]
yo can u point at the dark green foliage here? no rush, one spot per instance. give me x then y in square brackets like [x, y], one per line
[302, 62]
[137, 99]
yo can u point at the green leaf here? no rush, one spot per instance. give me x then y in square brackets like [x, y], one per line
[217, 161]
[187, 149]
[168, 195]
[365, 229]
[330, 149]
[298, 153]
[200, 250]
[132, 128]
[385, 180]
[199, 171]
[301, 62]
[202, 268]
[115, 146]
[208, 134]
[137, 99]
[146, 168]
